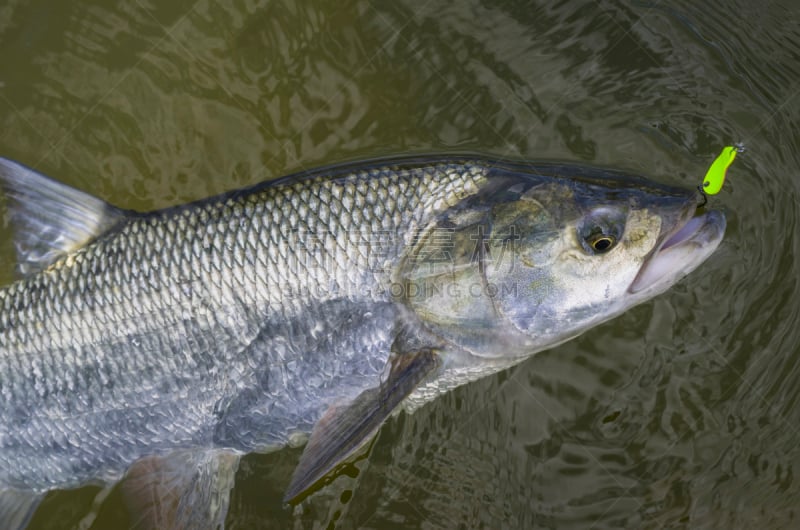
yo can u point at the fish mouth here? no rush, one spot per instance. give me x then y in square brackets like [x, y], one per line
[681, 251]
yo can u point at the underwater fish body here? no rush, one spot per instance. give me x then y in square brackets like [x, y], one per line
[156, 348]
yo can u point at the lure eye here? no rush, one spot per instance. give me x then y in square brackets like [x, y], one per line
[602, 243]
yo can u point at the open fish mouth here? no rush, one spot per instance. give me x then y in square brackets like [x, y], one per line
[680, 252]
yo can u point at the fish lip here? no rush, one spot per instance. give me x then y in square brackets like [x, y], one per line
[666, 238]
[702, 229]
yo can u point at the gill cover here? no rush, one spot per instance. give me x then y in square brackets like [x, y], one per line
[463, 263]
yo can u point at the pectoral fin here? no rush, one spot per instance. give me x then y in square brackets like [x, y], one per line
[185, 489]
[343, 429]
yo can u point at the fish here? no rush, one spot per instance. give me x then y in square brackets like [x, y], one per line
[151, 350]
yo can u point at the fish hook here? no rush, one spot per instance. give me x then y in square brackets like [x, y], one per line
[703, 195]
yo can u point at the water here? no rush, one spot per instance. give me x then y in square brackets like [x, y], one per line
[683, 412]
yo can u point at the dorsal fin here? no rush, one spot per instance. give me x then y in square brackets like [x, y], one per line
[50, 219]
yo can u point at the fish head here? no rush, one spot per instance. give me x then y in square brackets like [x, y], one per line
[542, 255]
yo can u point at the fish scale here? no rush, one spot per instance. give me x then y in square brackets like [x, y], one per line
[171, 301]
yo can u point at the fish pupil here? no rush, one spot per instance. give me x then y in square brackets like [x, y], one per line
[602, 244]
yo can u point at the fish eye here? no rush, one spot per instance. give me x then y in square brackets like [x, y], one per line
[602, 243]
[601, 229]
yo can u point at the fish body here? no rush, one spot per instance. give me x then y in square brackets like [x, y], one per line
[316, 304]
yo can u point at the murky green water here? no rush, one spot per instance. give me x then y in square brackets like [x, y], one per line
[683, 412]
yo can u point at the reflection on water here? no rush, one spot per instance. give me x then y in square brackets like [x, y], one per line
[682, 412]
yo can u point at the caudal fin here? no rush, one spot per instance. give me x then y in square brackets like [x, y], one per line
[50, 219]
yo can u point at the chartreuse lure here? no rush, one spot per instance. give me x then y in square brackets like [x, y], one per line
[715, 176]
